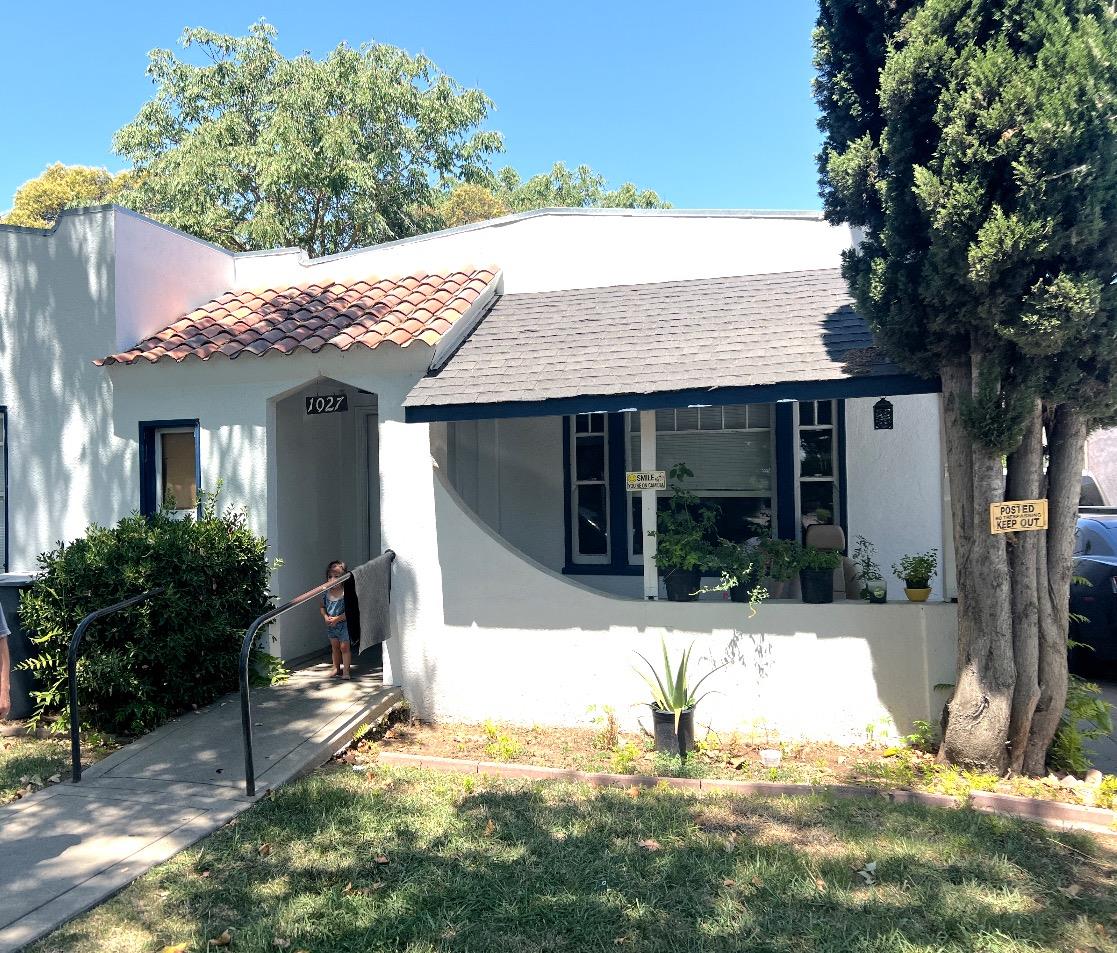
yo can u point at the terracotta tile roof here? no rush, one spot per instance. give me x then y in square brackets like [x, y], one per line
[400, 311]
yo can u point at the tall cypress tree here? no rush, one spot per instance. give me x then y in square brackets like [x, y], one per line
[974, 144]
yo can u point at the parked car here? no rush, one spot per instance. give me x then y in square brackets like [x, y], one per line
[1093, 592]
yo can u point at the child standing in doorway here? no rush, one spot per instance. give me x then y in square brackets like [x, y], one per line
[333, 613]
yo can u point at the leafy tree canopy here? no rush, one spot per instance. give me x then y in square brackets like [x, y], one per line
[983, 169]
[563, 188]
[253, 150]
[38, 201]
[506, 191]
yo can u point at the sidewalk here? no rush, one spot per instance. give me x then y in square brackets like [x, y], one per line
[69, 846]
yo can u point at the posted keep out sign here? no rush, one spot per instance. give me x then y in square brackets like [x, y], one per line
[1017, 515]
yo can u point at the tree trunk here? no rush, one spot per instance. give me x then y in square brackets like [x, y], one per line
[1013, 591]
[1025, 479]
[1066, 450]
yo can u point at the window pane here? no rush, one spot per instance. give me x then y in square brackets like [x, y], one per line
[709, 418]
[664, 420]
[637, 525]
[816, 453]
[825, 413]
[686, 418]
[742, 517]
[582, 423]
[590, 458]
[597, 423]
[806, 413]
[760, 415]
[736, 418]
[178, 470]
[816, 502]
[592, 528]
[720, 460]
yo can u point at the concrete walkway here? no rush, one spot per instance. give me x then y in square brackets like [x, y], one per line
[70, 846]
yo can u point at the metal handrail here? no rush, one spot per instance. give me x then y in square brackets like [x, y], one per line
[72, 672]
[246, 651]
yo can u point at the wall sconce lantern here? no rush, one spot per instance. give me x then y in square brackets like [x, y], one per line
[882, 415]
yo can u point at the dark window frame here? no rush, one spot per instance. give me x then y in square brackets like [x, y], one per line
[149, 478]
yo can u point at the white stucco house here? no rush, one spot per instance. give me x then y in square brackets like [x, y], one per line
[472, 399]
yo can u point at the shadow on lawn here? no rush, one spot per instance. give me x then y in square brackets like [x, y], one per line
[515, 867]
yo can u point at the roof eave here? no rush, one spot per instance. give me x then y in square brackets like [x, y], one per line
[867, 385]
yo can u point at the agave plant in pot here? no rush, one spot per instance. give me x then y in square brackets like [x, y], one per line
[673, 701]
[685, 533]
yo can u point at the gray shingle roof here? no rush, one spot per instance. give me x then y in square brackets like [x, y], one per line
[644, 339]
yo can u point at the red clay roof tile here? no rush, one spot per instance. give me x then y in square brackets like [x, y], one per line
[368, 312]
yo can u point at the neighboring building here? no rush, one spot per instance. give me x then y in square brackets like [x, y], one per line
[497, 380]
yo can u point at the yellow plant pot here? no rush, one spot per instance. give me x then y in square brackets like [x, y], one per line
[918, 595]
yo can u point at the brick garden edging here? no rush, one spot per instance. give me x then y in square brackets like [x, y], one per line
[1094, 820]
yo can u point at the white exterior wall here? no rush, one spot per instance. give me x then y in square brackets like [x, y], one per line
[254, 434]
[895, 485]
[68, 297]
[162, 274]
[483, 633]
[573, 249]
[56, 316]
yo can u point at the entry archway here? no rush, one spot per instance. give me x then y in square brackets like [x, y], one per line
[327, 495]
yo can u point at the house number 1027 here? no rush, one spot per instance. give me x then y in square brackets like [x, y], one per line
[327, 404]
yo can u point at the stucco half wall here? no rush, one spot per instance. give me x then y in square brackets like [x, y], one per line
[514, 641]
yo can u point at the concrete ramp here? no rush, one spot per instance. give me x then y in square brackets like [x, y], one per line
[70, 846]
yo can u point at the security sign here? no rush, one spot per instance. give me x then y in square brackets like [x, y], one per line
[1017, 515]
[645, 480]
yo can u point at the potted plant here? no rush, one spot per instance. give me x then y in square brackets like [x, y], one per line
[780, 561]
[685, 534]
[917, 571]
[673, 702]
[816, 573]
[873, 587]
[740, 565]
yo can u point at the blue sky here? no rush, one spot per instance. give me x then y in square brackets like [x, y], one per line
[708, 103]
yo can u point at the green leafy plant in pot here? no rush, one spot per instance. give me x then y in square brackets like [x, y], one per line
[873, 587]
[917, 571]
[816, 573]
[673, 701]
[685, 536]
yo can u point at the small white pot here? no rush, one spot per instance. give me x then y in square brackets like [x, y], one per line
[771, 757]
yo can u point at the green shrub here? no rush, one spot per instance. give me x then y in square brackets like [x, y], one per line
[143, 665]
[1087, 716]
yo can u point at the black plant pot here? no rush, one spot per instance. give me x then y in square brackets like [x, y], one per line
[817, 585]
[740, 593]
[681, 584]
[666, 739]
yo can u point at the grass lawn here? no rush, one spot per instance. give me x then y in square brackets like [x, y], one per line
[31, 758]
[27, 763]
[409, 860]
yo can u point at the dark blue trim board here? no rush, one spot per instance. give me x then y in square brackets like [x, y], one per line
[868, 386]
[148, 429]
[567, 492]
[7, 484]
[618, 495]
[843, 516]
[787, 510]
